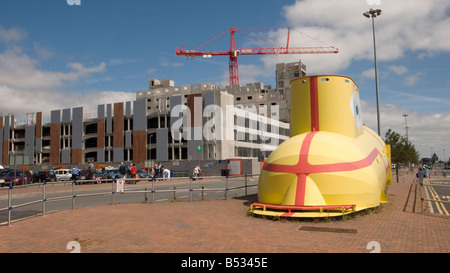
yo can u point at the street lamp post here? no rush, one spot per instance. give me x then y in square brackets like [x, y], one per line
[372, 13]
[406, 125]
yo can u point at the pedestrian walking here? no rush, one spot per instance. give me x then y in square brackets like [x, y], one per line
[427, 174]
[123, 170]
[420, 174]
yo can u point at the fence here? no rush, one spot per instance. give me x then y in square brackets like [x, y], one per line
[116, 188]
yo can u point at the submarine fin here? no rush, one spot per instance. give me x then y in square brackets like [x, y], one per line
[389, 175]
[383, 198]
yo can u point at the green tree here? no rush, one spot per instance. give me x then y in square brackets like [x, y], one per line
[402, 151]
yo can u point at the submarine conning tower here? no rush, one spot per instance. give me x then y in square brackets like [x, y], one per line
[339, 110]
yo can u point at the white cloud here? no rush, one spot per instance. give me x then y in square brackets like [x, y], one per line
[166, 63]
[416, 26]
[83, 71]
[248, 74]
[26, 87]
[151, 70]
[426, 131]
[398, 69]
[413, 79]
[19, 101]
[11, 35]
[42, 52]
[369, 73]
[120, 61]
[18, 70]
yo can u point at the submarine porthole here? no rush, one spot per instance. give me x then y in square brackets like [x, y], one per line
[355, 108]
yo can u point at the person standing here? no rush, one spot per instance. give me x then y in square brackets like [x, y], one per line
[196, 172]
[91, 170]
[133, 171]
[75, 173]
[122, 170]
[166, 174]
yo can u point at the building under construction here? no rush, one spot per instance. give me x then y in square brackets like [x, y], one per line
[174, 125]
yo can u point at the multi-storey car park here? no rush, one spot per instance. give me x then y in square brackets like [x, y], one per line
[177, 126]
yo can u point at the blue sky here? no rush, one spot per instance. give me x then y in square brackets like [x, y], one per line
[53, 55]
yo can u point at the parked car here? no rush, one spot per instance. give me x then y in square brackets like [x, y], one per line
[16, 177]
[143, 174]
[3, 173]
[63, 174]
[113, 173]
[41, 176]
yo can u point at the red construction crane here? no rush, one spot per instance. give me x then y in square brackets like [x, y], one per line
[234, 53]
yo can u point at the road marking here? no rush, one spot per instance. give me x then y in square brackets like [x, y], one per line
[430, 206]
[439, 204]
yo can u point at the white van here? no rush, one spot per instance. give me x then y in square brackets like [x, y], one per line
[63, 174]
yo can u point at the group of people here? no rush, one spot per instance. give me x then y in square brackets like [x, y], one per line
[423, 172]
[159, 171]
[87, 172]
[128, 172]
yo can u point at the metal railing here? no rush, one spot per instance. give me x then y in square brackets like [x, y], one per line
[117, 190]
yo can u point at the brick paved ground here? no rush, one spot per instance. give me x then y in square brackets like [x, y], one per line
[224, 226]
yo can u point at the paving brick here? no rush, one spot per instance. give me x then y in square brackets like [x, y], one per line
[224, 226]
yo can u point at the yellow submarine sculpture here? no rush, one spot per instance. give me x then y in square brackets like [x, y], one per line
[332, 164]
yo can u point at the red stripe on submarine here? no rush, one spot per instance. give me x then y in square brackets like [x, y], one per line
[332, 164]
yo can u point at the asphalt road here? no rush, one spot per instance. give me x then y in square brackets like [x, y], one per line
[60, 197]
[438, 190]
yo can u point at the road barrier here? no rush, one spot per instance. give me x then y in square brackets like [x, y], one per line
[114, 190]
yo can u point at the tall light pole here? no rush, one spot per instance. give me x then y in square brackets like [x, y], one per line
[372, 13]
[406, 125]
